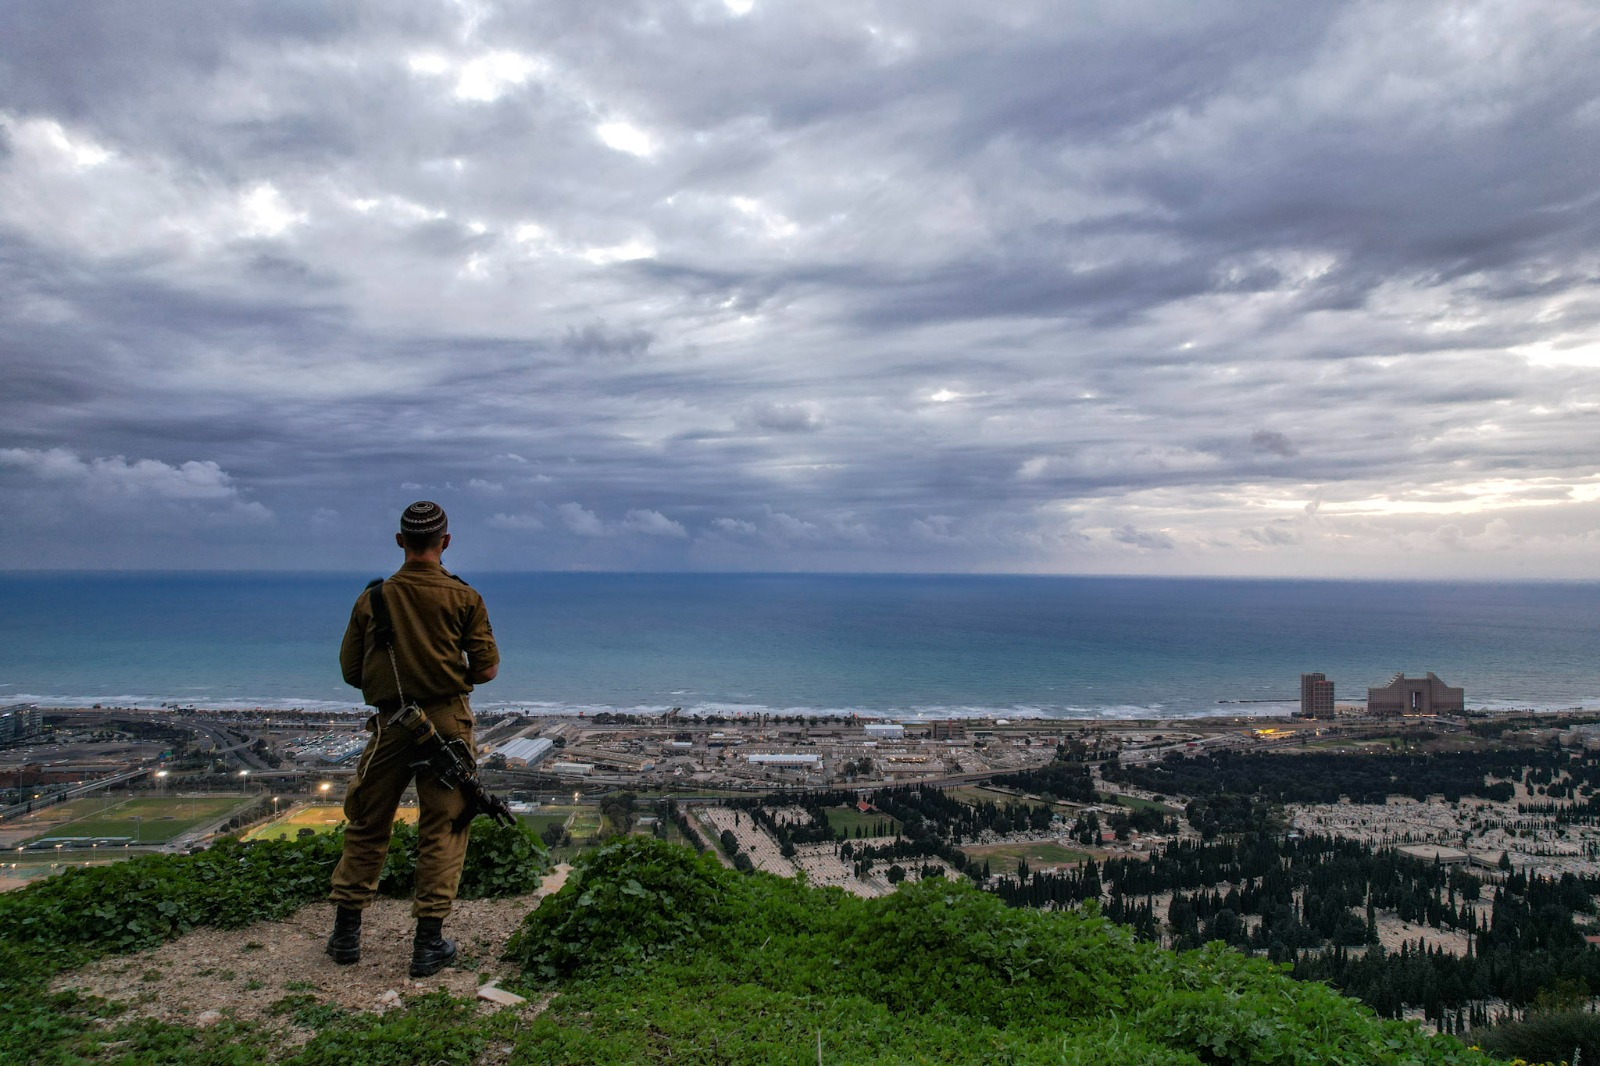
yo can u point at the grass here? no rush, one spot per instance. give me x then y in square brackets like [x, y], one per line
[847, 820]
[544, 820]
[1134, 803]
[1039, 853]
[153, 820]
[585, 822]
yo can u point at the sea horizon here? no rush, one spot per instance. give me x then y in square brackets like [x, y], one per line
[877, 645]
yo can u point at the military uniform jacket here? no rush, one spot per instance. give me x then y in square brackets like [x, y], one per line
[441, 638]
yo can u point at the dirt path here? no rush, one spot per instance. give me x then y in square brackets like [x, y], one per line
[240, 973]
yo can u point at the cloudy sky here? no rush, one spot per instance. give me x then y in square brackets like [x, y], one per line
[1178, 287]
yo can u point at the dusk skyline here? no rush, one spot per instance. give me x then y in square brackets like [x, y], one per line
[1139, 288]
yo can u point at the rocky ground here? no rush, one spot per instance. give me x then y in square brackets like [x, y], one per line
[212, 974]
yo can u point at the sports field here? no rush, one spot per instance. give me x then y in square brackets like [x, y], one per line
[146, 820]
[847, 820]
[1038, 853]
[585, 822]
[318, 818]
[1136, 803]
[545, 817]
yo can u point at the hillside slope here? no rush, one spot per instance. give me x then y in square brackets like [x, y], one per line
[650, 953]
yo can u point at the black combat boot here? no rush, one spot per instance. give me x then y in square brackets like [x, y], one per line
[344, 946]
[430, 951]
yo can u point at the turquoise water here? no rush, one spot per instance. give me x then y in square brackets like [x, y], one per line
[894, 645]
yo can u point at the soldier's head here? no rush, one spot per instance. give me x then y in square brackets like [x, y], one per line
[424, 530]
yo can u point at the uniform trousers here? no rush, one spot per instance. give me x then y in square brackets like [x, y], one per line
[382, 774]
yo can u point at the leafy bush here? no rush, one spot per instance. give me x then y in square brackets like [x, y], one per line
[139, 903]
[399, 874]
[136, 904]
[625, 903]
[501, 861]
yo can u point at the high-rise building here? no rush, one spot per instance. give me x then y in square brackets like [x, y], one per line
[1316, 696]
[18, 723]
[1416, 695]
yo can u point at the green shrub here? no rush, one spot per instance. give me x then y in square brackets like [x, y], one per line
[141, 902]
[501, 861]
[626, 902]
[399, 874]
[1562, 1036]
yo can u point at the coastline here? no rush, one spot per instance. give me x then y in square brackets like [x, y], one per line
[1222, 712]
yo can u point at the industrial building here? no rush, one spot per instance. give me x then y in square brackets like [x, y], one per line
[572, 769]
[525, 751]
[886, 731]
[785, 760]
[1416, 695]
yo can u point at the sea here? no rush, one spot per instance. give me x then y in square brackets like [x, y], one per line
[898, 647]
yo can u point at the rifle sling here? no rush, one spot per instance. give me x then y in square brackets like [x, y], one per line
[382, 624]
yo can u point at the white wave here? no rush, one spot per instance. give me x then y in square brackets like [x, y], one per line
[729, 709]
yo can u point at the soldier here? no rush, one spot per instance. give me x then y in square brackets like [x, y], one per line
[442, 646]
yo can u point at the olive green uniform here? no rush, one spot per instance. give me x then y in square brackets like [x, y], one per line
[441, 639]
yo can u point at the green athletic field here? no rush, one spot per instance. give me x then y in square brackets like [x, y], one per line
[545, 817]
[149, 820]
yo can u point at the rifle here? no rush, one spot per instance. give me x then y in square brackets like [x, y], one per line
[451, 760]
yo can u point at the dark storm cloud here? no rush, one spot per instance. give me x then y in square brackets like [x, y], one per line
[1228, 287]
[1270, 440]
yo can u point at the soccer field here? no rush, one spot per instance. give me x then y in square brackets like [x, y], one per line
[147, 820]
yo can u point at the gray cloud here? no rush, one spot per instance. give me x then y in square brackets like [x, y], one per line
[1174, 287]
[1273, 443]
[1143, 538]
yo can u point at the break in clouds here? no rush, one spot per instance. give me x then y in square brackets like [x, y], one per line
[1158, 287]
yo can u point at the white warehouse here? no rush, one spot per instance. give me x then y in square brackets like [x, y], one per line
[887, 731]
[525, 751]
[786, 760]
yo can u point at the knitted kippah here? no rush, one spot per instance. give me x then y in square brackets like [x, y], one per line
[423, 517]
